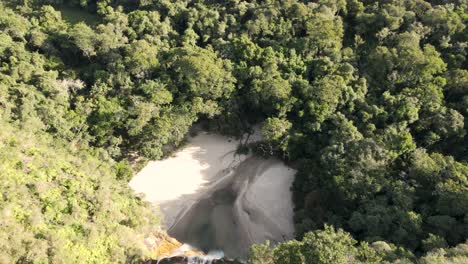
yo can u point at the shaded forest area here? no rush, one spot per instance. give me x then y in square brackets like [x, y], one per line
[367, 98]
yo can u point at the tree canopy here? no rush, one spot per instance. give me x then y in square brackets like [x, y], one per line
[367, 99]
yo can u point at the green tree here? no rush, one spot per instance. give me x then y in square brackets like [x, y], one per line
[84, 38]
[141, 58]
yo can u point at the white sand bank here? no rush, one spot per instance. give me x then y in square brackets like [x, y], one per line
[214, 199]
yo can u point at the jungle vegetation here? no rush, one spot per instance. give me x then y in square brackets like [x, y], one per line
[368, 99]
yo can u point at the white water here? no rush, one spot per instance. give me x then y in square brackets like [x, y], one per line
[216, 200]
[206, 259]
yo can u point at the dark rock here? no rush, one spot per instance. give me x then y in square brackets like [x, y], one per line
[226, 261]
[185, 260]
[171, 260]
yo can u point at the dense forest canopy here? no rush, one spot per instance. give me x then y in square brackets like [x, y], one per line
[368, 99]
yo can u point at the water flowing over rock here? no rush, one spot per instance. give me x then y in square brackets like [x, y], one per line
[215, 199]
[192, 260]
[240, 210]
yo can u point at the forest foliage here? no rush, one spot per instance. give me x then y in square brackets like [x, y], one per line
[368, 99]
[60, 204]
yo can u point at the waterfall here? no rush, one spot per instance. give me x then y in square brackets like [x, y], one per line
[179, 256]
[207, 259]
[215, 258]
[214, 198]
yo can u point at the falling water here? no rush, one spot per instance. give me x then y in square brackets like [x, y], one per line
[208, 259]
[216, 199]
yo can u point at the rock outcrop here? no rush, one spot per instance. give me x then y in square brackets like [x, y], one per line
[161, 245]
[192, 260]
[219, 200]
[168, 250]
[250, 205]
